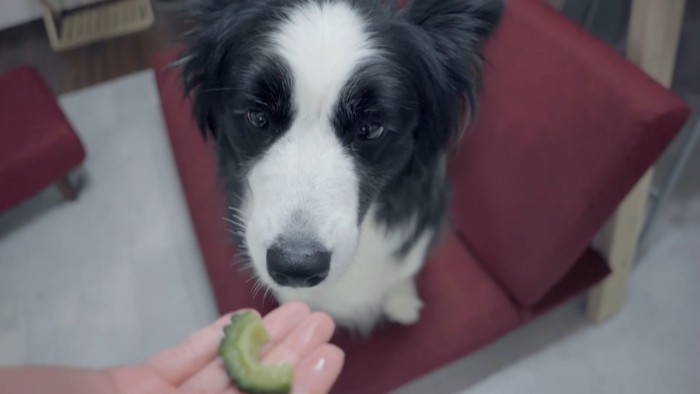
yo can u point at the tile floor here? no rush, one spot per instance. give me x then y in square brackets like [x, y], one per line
[117, 275]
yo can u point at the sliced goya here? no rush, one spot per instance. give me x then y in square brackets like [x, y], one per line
[240, 348]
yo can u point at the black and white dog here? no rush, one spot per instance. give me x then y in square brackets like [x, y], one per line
[333, 121]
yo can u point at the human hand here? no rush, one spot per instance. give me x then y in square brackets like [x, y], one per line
[297, 337]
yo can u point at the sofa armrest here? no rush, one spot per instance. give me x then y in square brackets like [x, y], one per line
[567, 127]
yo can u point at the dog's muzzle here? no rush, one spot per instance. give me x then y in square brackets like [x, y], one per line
[298, 263]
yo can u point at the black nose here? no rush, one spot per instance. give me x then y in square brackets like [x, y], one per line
[298, 264]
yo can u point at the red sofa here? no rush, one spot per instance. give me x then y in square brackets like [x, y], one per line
[566, 128]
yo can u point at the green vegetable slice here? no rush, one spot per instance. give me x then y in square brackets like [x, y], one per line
[240, 348]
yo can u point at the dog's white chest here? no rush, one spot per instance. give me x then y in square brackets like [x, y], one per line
[357, 299]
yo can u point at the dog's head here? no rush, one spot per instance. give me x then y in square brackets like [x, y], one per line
[317, 105]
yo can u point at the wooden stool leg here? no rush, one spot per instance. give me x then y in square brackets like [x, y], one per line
[620, 246]
[655, 29]
[67, 189]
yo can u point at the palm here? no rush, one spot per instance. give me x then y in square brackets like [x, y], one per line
[297, 337]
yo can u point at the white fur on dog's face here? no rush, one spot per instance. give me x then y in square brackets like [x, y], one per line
[306, 183]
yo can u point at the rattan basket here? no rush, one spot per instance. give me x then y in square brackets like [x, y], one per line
[96, 22]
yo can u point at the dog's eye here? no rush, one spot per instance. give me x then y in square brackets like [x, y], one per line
[371, 131]
[257, 119]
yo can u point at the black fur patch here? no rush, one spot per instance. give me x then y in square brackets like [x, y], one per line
[431, 60]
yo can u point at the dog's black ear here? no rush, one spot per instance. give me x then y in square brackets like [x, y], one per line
[217, 37]
[447, 18]
[456, 31]
[449, 44]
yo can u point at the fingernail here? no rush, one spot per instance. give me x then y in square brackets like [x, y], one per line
[319, 365]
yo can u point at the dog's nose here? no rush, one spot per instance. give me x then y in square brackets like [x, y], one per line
[298, 264]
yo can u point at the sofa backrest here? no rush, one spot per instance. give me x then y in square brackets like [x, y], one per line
[565, 129]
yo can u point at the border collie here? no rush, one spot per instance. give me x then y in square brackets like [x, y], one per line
[333, 120]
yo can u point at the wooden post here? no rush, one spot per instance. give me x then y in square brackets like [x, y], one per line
[654, 32]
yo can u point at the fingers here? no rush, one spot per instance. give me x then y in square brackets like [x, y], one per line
[313, 332]
[297, 337]
[317, 372]
[283, 320]
[213, 378]
[180, 362]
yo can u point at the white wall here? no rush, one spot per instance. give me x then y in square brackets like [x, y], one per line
[14, 12]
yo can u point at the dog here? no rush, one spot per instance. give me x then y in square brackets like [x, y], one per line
[333, 121]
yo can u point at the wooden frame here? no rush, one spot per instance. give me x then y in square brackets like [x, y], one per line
[654, 33]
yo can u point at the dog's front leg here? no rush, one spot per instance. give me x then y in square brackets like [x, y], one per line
[403, 305]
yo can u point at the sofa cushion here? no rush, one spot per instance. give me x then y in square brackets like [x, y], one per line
[464, 310]
[590, 269]
[566, 128]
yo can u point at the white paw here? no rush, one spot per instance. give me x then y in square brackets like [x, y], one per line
[403, 308]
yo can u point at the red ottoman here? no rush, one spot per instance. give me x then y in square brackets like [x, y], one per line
[38, 146]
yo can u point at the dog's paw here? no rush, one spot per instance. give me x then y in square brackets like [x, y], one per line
[403, 308]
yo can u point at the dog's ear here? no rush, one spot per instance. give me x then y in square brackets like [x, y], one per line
[449, 44]
[449, 17]
[217, 37]
[456, 30]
